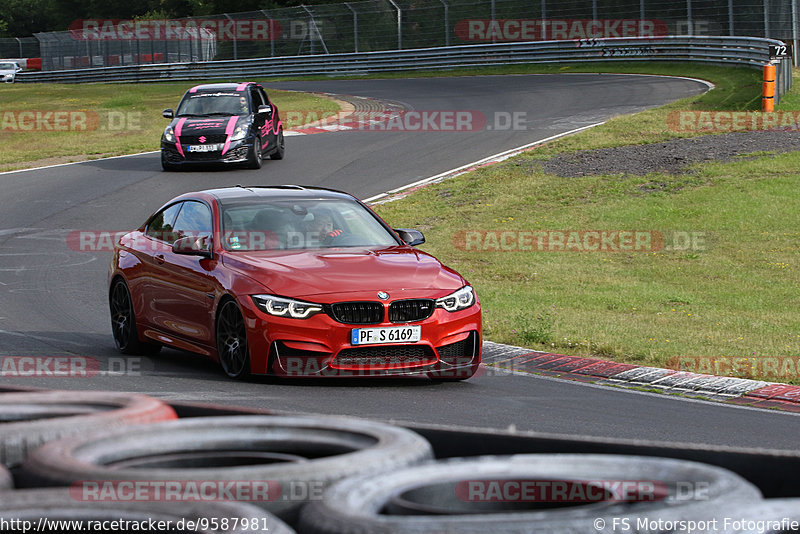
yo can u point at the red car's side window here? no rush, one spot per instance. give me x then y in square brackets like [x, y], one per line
[161, 225]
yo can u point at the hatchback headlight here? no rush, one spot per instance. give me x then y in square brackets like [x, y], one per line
[459, 300]
[283, 307]
[169, 134]
[239, 133]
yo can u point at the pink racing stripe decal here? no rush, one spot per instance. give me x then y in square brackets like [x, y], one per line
[242, 86]
[228, 132]
[178, 128]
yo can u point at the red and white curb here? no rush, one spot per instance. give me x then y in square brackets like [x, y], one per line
[755, 393]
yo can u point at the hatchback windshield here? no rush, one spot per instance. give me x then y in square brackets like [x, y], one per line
[8, 66]
[220, 103]
[300, 224]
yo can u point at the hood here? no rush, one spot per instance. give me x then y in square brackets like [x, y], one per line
[358, 273]
[196, 126]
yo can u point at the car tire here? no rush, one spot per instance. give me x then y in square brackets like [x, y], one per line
[232, 347]
[60, 504]
[280, 149]
[316, 451]
[32, 419]
[166, 165]
[441, 497]
[123, 322]
[256, 157]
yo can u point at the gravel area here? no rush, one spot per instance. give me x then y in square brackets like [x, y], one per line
[672, 157]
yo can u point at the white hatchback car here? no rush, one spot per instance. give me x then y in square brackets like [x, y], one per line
[8, 71]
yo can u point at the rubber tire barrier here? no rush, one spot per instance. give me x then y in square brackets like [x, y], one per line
[6, 482]
[32, 419]
[331, 448]
[367, 504]
[56, 504]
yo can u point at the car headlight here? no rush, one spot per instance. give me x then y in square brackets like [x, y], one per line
[283, 307]
[463, 298]
[169, 134]
[239, 133]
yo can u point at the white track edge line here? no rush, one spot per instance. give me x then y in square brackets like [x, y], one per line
[500, 156]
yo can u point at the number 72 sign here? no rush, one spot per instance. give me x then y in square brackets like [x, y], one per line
[779, 51]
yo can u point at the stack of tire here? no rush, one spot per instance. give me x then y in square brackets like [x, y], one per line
[333, 475]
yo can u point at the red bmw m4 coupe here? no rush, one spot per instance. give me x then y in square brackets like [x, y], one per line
[291, 281]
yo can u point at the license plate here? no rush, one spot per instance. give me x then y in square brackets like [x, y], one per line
[388, 334]
[204, 148]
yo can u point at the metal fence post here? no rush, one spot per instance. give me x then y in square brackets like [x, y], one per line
[399, 25]
[271, 34]
[235, 47]
[544, 9]
[494, 15]
[690, 23]
[446, 23]
[355, 27]
[766, 19]
[795, 36]
[730, 17]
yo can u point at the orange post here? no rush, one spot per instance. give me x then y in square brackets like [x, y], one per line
[768, 89]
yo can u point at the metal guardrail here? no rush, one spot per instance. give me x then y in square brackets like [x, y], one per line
[745, 51]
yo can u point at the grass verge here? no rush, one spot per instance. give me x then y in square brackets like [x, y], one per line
[722, 308]
[102, 120]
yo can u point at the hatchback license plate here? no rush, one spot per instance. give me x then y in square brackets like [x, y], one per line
[388, 334]
[204, 148]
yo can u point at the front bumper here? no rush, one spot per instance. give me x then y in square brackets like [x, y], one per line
[237, 152]
[320, 346]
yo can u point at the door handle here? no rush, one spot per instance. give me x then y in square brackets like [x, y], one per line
[159, 258]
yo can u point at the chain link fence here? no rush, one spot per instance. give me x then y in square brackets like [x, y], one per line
[376, 25]
[19, 47]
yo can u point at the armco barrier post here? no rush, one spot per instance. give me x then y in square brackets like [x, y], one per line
[768, 89]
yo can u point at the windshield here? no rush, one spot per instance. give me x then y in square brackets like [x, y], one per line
[8, 66]
[301, 224]
[206, 104]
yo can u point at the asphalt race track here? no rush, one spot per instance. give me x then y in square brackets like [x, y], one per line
[53, 297]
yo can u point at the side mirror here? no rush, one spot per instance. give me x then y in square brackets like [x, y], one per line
[410, 237]
[168, 114]
[18, 69]
[193, 246]
[264, 110]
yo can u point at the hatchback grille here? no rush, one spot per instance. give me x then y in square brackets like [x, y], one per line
[406, 311]
[209, 138]
[393, 355]
[357, 312]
